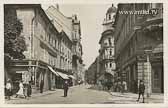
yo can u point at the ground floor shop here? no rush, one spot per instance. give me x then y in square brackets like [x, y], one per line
[36, 72]
[151, 72]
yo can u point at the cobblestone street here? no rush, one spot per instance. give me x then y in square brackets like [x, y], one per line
[82, 95]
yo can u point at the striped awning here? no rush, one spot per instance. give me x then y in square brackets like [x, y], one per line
[64, 76]
[52, 70]
[71, 76]
[158, 49]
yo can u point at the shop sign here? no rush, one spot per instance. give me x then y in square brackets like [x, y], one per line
[21, 71]
[26, 77]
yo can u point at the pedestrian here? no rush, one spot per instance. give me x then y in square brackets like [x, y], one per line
[119, 86]
[8, 89]
[124, 86]
[41, 86]
[20, 91]
[141, 90]
[66, 86]
[25, 90]
[99, 85]
[29, 89]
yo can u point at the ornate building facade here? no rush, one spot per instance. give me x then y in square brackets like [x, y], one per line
[139, 45]
[71, 27]
[50, 48]
[106, 52]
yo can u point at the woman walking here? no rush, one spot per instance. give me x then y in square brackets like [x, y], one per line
[20, 91]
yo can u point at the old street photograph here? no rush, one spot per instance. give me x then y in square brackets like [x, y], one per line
[83, 53]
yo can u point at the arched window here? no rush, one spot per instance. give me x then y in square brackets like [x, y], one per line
[110, 65]
[110, 43]
[110, 52]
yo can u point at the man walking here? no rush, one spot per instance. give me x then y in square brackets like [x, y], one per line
[65, 88]
[141, 90]
[29, 89]
[41, 86]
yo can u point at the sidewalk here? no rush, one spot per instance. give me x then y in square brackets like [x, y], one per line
[154, 98]
[13, 99]
[34, 95]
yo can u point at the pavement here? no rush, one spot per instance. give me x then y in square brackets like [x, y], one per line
[131, 98]
[84, 94]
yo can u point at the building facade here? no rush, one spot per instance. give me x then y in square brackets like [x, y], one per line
[139, 45]
[106, 52]
[49, 55]
[71, 26]
[91, 74]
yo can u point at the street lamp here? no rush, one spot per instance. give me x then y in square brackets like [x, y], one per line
[148, 64]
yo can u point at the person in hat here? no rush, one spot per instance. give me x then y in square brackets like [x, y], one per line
[66, 86]
[141, 90]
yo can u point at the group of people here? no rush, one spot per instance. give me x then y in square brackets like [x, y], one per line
[120, 86]
[25, 90]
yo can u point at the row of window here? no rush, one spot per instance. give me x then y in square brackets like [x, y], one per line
[110, 65]
[109, 51]
[63, 47]
[109, 41]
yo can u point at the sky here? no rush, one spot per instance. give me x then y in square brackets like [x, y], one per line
[91, 18]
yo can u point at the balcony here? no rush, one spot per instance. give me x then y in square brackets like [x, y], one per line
[107, 57]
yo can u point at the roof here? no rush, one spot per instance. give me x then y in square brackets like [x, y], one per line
[112, 9]
[61, 22]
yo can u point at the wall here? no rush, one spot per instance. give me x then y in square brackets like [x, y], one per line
[26, 15]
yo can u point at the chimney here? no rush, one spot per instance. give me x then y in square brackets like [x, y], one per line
[57, 6]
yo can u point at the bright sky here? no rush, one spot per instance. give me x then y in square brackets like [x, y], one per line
[91, 17]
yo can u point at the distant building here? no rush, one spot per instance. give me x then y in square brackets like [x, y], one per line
[139, 45]
[91, 73]
[106, 52]
[52, 53]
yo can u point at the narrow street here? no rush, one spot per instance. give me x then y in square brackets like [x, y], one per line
[76, 95]
[81, 95]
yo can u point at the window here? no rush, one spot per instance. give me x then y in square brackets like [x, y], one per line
[49, 38]
[109, 17]
[110, 52]
[110, 65]
[55, 43]
[109, 39]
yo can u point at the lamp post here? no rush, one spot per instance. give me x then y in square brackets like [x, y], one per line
[148, 64]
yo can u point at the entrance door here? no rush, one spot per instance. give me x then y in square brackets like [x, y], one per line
[157, 79]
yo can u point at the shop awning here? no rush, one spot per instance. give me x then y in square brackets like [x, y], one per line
[71, 76]
[52, 70]
[158, 49]
[64, 76]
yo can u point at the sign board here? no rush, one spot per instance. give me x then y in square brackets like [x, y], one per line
[26, 77]
[21, 71]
